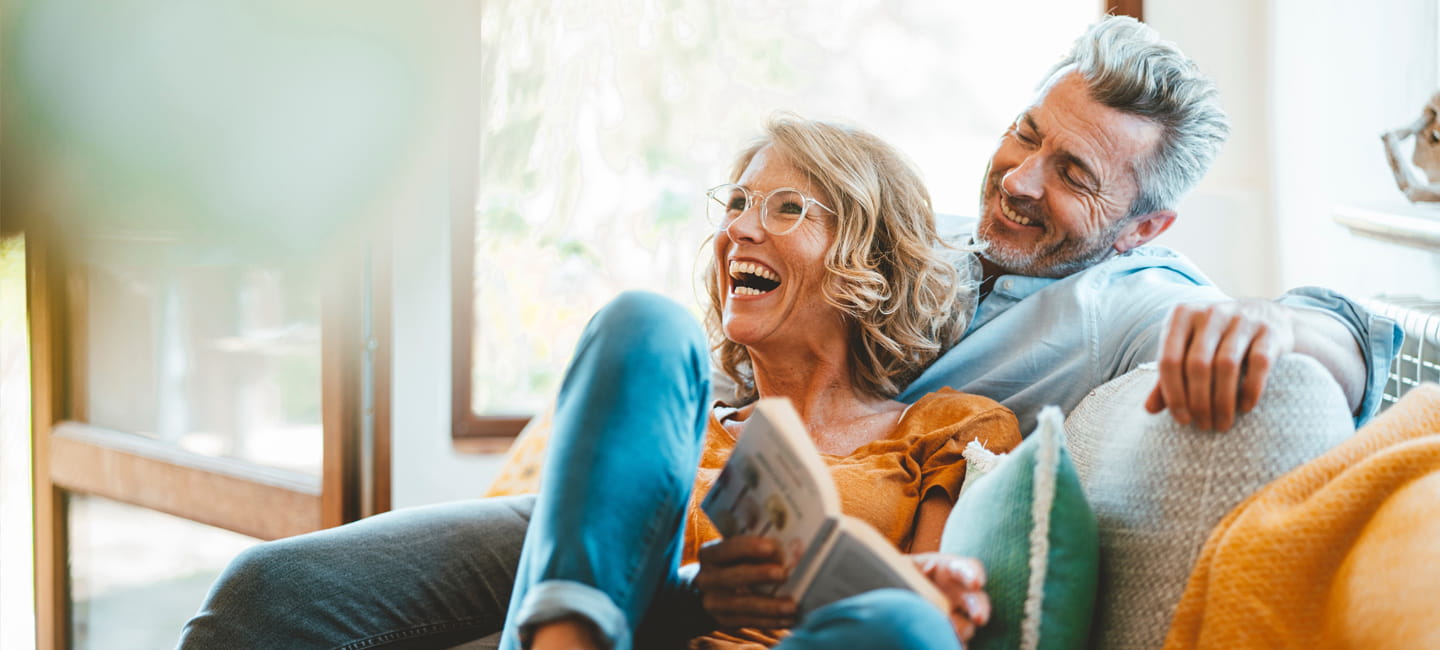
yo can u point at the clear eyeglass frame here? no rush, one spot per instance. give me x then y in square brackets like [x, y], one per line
[722, 213]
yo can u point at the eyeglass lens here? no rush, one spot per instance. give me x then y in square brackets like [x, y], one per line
[781, 212]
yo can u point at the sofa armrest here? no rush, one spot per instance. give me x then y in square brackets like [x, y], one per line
[1158, 487]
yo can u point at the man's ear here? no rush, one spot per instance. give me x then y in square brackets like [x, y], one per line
[1144, 228]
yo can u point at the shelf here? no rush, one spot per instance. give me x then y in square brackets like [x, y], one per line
[1407, 224]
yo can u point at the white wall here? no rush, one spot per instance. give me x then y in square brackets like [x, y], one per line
[1309, 86]
[425, 466]
[1224, 224]
[1344, 73]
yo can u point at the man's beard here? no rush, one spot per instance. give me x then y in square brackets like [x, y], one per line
[1055, 259]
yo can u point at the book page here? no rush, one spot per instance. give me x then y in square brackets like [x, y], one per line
[774, 484]
[859, 560]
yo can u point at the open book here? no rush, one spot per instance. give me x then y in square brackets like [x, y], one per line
[775, 485]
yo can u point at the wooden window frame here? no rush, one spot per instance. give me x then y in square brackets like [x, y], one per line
[71, 456]
[1133, 8]
[471, 432]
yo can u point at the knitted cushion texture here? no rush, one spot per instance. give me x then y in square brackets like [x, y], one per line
[1343, 552]
[1027, 521]
[1158, 487]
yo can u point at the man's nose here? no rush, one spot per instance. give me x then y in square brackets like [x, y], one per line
[1025, 180]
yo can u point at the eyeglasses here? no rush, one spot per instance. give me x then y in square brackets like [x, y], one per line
[781, 211]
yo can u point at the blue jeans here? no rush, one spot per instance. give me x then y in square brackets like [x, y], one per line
[602, 541]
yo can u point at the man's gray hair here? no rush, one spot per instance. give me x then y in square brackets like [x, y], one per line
[1129, 68]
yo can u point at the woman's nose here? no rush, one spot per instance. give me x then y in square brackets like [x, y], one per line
[747, 226]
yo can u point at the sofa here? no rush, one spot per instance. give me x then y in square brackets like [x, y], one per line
[1158, 489]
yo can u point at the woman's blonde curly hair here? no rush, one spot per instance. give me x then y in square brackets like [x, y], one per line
[907, 292]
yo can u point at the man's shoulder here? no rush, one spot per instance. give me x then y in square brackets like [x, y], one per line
[1148, 262]
[1144, 277]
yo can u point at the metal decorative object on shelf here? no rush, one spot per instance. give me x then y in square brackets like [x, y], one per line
[1426, 131]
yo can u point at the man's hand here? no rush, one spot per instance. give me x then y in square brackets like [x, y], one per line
[735, 573]
[962, 580]
[1217, 357]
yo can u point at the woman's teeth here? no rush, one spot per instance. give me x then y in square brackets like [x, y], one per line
[751, 279]
[738, 268]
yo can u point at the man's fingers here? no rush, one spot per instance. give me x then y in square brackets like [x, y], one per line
[1215, 359]
[1192, 335]
[1200, 365]
[1156, 402]
[1173, 347]
[1263, 352]
[1229, 360]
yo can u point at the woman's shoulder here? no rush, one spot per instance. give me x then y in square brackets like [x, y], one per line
[948, 404]
[949, 413]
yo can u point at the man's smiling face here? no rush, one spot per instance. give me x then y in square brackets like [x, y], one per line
[1061, 183]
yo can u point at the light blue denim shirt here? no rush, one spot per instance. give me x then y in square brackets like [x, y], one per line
[1039, 341]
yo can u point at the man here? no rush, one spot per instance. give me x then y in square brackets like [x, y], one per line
[1071, 297]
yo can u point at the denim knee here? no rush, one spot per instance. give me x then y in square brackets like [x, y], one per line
[643, 321]
[641, 337]
[254, 601]
[885, 618]
[270, 572]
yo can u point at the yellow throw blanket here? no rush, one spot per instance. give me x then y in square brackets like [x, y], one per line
[1342, 552]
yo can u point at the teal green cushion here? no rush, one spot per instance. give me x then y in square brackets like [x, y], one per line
[1027, 521]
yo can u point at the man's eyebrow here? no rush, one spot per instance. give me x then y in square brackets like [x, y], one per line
[1070, 158]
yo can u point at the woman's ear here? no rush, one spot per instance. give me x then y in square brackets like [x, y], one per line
[1142, 229]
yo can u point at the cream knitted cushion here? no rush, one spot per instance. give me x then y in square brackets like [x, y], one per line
[1158, 488]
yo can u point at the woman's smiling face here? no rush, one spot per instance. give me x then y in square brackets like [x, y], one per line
[772, 285]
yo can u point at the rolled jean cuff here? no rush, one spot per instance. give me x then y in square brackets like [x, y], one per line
[556, 599]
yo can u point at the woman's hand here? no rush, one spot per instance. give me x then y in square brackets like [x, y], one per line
[962, 580]
[735, 573]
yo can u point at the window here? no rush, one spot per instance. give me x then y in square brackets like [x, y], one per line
[203, 193]
[601, 124]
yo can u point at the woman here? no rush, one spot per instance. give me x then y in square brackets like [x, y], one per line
[829, 288]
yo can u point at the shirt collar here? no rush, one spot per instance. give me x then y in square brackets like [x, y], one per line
[1018, 287]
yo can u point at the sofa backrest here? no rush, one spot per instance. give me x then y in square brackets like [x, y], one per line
[1158, 488]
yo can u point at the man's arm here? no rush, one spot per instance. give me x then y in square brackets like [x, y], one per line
[1215, 358]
